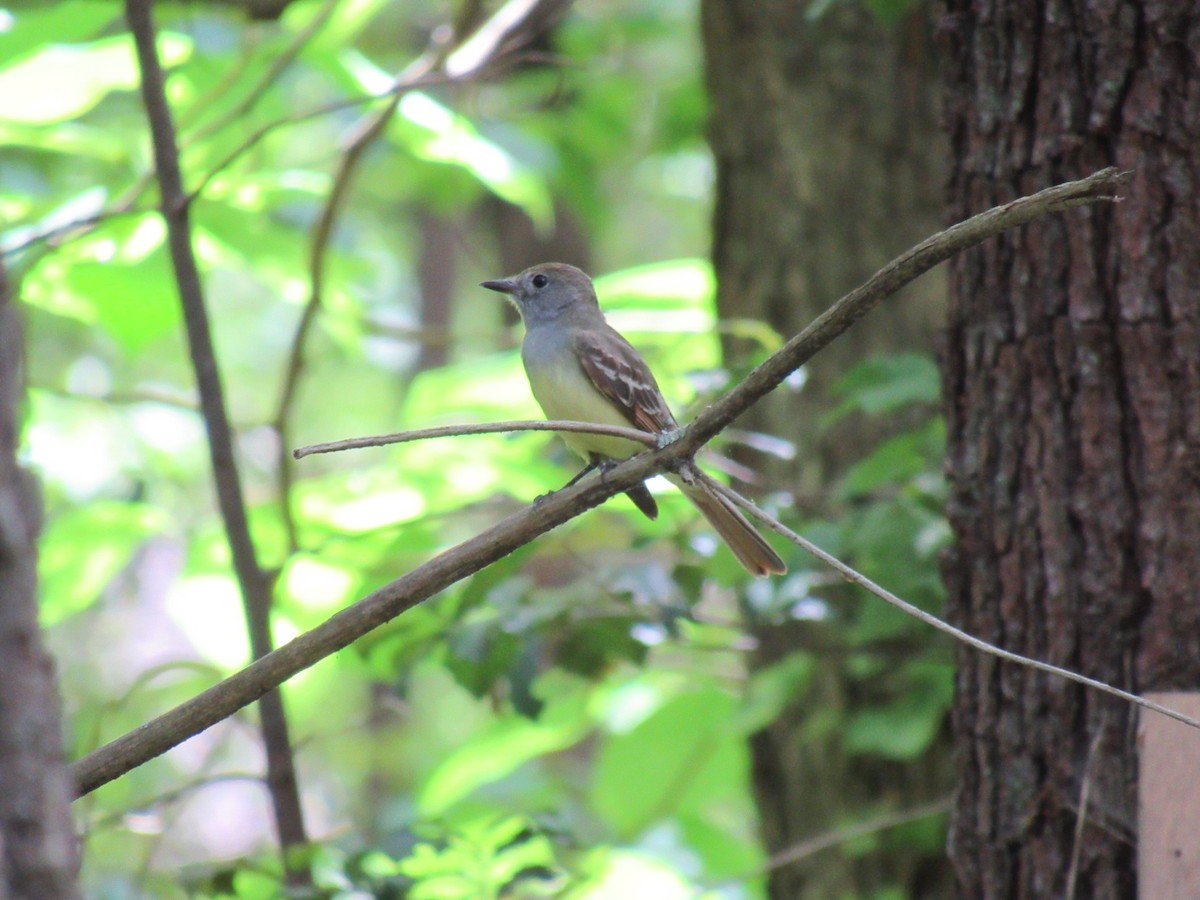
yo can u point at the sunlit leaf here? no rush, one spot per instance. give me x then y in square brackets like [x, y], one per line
[672, 759]
[85, 548]
[61, 81]
[500, 749]
[208, 608]
[317, 584]
[436, 133]
[632, 874]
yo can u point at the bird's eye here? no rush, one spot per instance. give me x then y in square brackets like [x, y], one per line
[540, 281]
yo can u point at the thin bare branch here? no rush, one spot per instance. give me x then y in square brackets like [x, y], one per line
[1081, 815]
[254, 582]
[279, 63]
[441, 431]
[855, 577]
[503, 32]
[1102, 186]
[822, 842]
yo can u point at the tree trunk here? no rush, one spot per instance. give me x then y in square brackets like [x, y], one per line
[1072, 385]
[828, 159]
[38, 854]
[829, 162]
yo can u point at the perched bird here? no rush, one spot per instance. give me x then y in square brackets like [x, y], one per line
[581, 369]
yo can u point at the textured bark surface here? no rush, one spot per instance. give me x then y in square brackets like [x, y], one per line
[1072, 383]
[38, 856]
[828, 157]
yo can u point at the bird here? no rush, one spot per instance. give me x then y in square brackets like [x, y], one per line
[580, 368]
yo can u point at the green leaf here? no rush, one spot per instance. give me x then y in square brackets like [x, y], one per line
[906, 727]
[772, 688]
[890, 12]
[673, 285]
[501, 748]
[63, 81]
[480, 859]
[494, 387]
[85, 548]
[434, 132]
[671, 761]
[885, 383]
[896, 460]
[66, 21]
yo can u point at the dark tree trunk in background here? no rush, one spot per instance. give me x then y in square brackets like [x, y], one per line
[1072, 378]
[38, 855]
[829, 162]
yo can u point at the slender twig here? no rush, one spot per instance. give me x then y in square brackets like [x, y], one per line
[51, 235]
[254, 137]
[254, 583]
[796, 352]
[279, 62]
[441, 431]
[211, 706]
[497, 36]
[855, 577]
[1081, 815]
[827, 841]
[322, 233]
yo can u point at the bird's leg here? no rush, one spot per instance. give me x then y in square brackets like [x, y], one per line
[639, 493]
[590, 467]
[596, 463]
[606, 465]
[665, 438]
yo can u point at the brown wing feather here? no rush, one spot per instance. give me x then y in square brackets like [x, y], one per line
[622, 376]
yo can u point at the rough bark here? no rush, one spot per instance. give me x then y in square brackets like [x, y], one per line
[1072, 385]
[38, 853]
[828, 162]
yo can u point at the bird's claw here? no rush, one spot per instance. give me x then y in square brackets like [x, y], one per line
[666, 438]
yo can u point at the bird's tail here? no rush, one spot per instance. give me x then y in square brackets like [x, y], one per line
[750, 547]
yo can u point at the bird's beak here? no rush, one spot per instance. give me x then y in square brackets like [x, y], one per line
[504, 285]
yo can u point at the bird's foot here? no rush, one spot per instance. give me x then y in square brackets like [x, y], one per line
[666, 438]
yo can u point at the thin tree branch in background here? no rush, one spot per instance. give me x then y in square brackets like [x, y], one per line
[1081, 815]
[262, 131]
[822, 842]
[502, 33]
[441, 431]
[322, 232]
[1101, 186]
[254, 582]
[279, 62]
[381, 606]
[39, 854]
[855, 577]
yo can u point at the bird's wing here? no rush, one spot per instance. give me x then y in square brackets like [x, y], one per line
[623, 377]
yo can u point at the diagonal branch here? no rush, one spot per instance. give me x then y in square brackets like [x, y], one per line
[254, 582]
[222, 700]
[855, 577]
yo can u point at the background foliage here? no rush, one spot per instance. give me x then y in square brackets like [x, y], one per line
[570, 722]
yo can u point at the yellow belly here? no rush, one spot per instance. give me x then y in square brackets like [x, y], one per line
[565, 392]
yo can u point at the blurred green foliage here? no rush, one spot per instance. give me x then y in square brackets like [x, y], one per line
[573, 720]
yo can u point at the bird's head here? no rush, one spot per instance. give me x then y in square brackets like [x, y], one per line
[545, 292]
